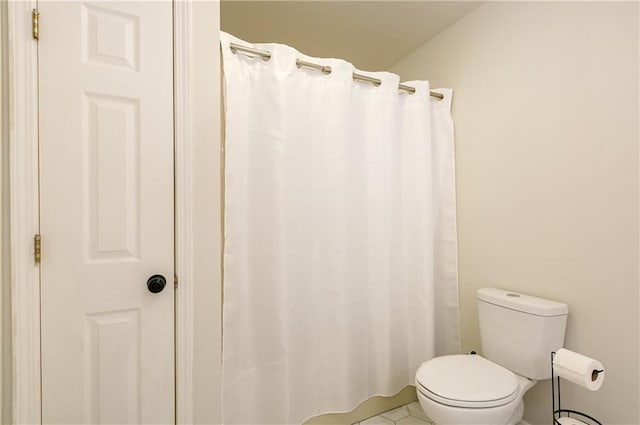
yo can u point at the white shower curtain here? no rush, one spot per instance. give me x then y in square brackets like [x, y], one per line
[340, 263]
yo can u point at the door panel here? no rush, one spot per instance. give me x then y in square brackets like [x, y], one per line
[106, 188]
[112, 366]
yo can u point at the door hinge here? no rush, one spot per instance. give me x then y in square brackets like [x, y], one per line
[37, 253]
[175, 281]
[34, 24]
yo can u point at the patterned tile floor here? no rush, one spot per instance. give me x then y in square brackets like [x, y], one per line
[409, 414]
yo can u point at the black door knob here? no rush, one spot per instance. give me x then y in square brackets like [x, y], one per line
[156, 283]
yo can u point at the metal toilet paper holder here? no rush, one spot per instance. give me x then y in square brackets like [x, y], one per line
[568, 413]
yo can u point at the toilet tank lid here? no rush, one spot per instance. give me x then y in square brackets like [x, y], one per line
[522, 302]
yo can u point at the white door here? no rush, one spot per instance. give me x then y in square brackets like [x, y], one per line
[106, 199]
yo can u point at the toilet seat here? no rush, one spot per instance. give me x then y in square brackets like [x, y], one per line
[469, 381]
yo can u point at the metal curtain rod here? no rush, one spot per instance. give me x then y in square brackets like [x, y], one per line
[326, 69]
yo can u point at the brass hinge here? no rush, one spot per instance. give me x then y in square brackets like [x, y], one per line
[34, 23]
[175, 281]
[37, 253]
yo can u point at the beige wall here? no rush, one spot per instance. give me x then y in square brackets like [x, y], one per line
[546, 115]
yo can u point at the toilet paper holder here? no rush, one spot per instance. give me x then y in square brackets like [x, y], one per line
[568, 416]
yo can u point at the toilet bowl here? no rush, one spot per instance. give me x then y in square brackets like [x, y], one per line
[518, 333]
[470, 390]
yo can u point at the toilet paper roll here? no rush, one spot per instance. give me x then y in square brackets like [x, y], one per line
[579, 369]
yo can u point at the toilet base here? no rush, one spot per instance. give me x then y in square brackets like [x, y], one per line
[517, 415]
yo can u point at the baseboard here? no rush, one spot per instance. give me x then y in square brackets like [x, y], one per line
[367, 409]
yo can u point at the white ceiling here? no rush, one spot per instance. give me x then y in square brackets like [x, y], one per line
[373, 35]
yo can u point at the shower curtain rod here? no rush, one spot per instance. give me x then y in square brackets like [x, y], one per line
[326, 69]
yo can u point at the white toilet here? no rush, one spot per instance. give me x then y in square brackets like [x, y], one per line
[518, 334]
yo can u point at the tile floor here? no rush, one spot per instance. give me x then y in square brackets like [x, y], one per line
[409, 414]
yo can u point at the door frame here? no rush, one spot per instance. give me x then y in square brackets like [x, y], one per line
[24, 220]
[24, 210]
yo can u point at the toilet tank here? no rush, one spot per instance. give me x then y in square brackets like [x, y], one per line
[520, 331]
